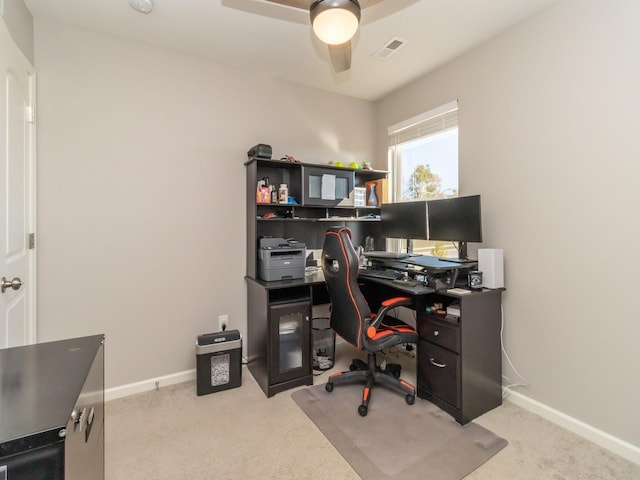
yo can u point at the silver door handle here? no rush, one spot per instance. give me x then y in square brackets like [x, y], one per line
[436, 364]
[5, 284]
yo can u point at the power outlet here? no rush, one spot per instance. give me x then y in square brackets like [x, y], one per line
[223, 322]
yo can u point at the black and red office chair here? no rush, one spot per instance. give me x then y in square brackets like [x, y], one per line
[352, 319]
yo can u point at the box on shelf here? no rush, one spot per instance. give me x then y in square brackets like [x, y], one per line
[359, 196]
[263, 195]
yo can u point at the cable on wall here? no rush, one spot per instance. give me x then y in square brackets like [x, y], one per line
[524, 383]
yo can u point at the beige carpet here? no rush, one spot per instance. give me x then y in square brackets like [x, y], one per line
[395, 440]
[240, 434]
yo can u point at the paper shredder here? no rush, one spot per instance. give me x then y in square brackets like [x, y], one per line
[218, 361]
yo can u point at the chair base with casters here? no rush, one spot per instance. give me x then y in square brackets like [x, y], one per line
[370, 377]
[391, 368]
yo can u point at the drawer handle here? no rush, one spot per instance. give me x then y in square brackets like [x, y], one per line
[436, 364]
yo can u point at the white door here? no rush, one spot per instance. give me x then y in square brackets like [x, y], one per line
[17, 195]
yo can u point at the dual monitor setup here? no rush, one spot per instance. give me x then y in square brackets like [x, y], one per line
[456, 219]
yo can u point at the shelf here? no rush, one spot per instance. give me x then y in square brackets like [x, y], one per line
[323, 219]
[349, 219]
[275, 163]
[307, 221]
[299, 205]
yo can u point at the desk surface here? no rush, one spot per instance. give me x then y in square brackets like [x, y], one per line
[434, 263]
[317, 278]
[41, 383]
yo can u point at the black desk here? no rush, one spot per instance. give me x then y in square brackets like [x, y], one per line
[427, 261]
[441, 274]
[52, 417]
[459, 358]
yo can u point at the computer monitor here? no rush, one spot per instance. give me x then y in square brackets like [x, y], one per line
[457, 219]
[406, 220]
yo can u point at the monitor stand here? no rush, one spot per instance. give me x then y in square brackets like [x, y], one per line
[462, 250]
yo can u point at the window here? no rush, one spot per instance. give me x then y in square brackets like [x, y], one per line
[423, 161]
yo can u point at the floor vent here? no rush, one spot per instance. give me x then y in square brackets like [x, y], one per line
[389, 48]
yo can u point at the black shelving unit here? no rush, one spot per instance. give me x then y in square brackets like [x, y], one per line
[279, 313]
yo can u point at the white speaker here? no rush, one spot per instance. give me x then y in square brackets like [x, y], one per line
[491, 264]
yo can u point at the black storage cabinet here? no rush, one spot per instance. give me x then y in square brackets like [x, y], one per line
[52, 410]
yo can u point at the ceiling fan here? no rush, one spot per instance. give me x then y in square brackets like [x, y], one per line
[334, 22]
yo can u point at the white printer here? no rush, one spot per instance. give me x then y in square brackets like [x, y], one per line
[280, 259]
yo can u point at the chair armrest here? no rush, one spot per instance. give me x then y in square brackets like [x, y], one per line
[388, 305]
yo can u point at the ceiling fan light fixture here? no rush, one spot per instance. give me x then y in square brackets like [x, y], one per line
[335, 21]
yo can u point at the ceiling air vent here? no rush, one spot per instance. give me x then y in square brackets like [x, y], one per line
[389, 48]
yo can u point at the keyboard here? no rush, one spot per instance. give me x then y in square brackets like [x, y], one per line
[383, 274]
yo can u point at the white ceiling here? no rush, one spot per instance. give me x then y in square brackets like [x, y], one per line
[276, 40]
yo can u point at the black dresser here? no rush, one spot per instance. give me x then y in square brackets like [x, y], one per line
[52, 410]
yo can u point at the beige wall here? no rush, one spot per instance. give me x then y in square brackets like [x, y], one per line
[549, 137]
[19, 22]
[141, 204]
[141, 212]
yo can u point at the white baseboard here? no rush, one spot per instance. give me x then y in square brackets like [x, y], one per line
[148, 385]
[603, 439]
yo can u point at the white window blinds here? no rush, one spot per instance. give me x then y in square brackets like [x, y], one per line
[434, 121]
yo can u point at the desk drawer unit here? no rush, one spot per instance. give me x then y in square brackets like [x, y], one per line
[459, 362]
[439, 359]
[440, 332]
[439, 372]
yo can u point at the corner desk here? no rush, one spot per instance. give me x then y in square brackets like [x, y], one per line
[459, 362]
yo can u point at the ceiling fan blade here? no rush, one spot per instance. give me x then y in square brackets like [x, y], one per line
[368, 3]
[304, 4]
[340, 56]
[382, 9]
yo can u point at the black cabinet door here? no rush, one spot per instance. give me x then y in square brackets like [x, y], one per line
[327, 186]
[290, 339]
